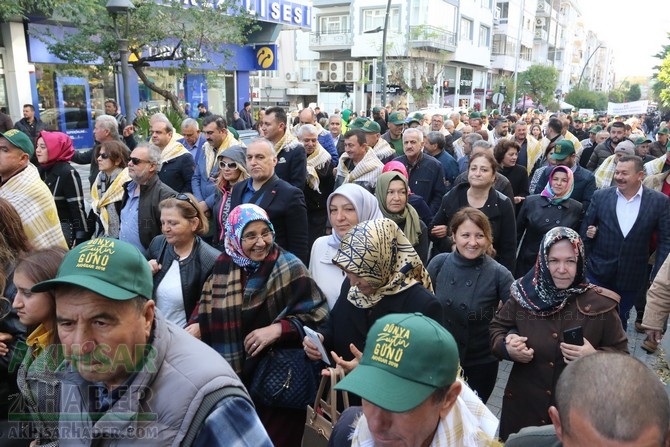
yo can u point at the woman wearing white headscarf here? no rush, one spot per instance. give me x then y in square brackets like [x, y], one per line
[348, 205]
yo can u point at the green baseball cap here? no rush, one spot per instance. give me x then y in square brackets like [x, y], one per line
[495, 112]
[366, 125]
[595, 129]
[109, 267]
[397, 118]
[662, 131]
[577, 120]
[641, 140]
[20, 140]
[406, 358]
[563, 149]
[376, 110]
[475, 115]
[537, 111]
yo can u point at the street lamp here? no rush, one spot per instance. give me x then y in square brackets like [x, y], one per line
[525, 94]
[384, 36]
[268, 91]
[114, 9]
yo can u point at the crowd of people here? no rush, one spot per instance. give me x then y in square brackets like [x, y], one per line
[421, 250]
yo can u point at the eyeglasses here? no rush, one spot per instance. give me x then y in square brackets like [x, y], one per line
[253, 238]
[137, 161]
[224, 165]
[103, 155]
[186, 198]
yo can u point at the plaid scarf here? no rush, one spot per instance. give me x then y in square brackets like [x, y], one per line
[383, 149]
[287, 142]
[235, 301]
[368, 169]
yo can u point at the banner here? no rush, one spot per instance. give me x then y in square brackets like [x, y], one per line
[627, 108]
[586, 113]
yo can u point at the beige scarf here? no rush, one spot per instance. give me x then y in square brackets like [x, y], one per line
[383, 149]
[287, 142]
[173, 149]
[368, 168]
[317, 160]
[114, 193]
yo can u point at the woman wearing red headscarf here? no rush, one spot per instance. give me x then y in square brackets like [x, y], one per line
[54, 151]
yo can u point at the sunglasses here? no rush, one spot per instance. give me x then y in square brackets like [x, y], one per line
[224, 165]
[103, 155]
[137, 161]
[185, 198]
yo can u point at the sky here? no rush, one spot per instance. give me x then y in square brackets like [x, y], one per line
[635, 29]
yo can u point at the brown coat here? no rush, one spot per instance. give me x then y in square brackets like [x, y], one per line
[530, 388]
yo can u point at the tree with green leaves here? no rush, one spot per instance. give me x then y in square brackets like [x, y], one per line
[663, 77]
[587, 99]
[634, 93]
[157, 32]
[543, 80]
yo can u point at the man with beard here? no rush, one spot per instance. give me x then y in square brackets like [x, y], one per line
[579, 132]
[393, 136]
[530, 147]
[606, 148]
[500, 131]
[140, 211]
[552, 135]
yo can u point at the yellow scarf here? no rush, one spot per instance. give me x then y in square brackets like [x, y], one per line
[114, 193]
[173, 149]
[210, 154]
[368, 168]
[316, 160]
[288, 141]
[38, 339]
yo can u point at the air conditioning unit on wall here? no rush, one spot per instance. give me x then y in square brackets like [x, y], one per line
[322, 75]
[352, 71]
[336, 72]
[292, 76]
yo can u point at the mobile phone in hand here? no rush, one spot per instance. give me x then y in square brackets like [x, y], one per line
[574, 336]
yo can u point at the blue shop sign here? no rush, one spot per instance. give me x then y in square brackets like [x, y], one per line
[284, 12]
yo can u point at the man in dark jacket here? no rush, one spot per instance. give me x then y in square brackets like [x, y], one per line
[29, 124]
[284, 203]
[5, 122]
[426, 175]
[140, 213]
[606, 148]
[112, 108]
[245, 115]
[379, 118]
[177, 162]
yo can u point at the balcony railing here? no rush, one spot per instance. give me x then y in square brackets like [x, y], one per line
[331, 40]
[432, 38]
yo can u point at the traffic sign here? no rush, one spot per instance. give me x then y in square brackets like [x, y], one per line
[498, 98]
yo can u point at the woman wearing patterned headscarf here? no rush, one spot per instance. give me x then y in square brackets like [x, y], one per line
[551, 299]
[393, 196]
[348, 205]
[384, 276]
[245, 307]
[539, 213]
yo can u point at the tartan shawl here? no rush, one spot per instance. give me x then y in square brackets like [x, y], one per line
[235, 302]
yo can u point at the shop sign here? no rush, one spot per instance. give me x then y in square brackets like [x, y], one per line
[284, 12]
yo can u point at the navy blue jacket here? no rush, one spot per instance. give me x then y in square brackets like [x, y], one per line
[426, 178]
[178, 172]
[286, 208]
[292, 166]
[621, 263]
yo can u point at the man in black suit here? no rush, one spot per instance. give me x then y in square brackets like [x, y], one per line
[290, 154]
[284, 203]
[585, 181]
[618, 228]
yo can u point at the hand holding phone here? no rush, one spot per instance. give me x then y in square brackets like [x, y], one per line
[574, 336]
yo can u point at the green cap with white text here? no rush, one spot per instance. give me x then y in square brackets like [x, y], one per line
[406, 358]
[109, 267]
[20, 140]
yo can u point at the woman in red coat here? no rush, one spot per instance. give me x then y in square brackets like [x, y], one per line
[549, 300]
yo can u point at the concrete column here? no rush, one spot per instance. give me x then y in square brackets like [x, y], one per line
[17, 68]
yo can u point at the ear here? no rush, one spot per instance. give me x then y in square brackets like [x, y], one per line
[450, 399]
[148, 314]
[556, 420]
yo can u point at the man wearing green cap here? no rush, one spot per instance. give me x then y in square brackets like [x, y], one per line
[642, 148]
[132, 377]
[22, 187]
[394, 135]
[373, 138]
[657, 148]
[409, 398]
[588, 145]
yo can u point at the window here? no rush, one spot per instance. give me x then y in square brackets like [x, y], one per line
[466, 29]
[526, 53]
[503, 45]
[484, 33]
[333, 24]
[374, 18]
[504, 11]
